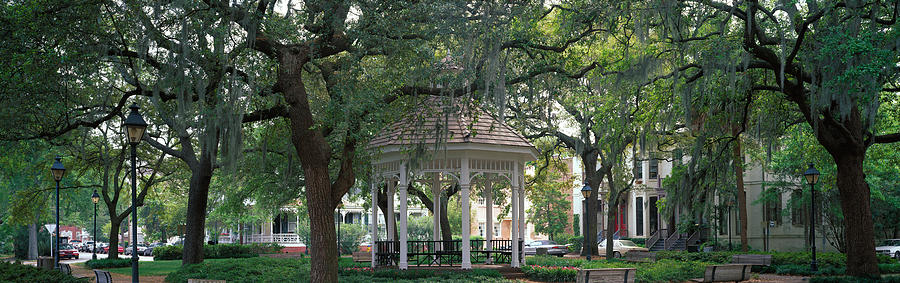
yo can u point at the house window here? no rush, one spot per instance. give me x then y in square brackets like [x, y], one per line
[481, 229]
[481, 200]
[654, 168]
[639, 216]
[773, 210]
[496, 231]
[798, 210]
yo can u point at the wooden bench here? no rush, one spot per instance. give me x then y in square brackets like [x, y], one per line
[640, 256]
[65, 268]
[362, 256]
[726, 273]
[103, 276]
[606, 275]
[752, 259]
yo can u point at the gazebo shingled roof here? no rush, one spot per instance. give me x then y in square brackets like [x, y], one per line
[454, 125]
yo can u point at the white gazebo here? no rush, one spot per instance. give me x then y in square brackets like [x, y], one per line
[455, 145]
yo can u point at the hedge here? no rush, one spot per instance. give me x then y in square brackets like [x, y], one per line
[219, 251]
[263, 269]
[108, 263]
[15, 272]
[552, 269]
[849, 279]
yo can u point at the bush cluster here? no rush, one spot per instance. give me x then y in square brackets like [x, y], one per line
[849, 279]
[219, 251]
[263, 269]
[553, 269]
[574, 241]
[550, 273]
[108, 263]
[14, 272]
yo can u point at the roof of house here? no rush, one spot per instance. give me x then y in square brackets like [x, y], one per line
[442, 120]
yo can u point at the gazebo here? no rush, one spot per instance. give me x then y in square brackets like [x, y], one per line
[457, 145]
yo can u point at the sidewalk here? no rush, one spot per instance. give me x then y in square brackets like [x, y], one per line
[79, 271]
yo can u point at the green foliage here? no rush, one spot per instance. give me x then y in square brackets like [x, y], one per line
[21, 242]
[219, 251]
[351, 236]
[573, 241]
[549, 210]
[850, 279]
[105, 263]
[14, 272]
[670, 271]
[420, 228]
[550, 273]
[262, 269]
[552, 269]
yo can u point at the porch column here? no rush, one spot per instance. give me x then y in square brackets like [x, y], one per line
[389, 215]
[436, 195]
[464, 201]
[514, 231]
[374, 219]
[488, 215]
[403, 217]
[522, 226]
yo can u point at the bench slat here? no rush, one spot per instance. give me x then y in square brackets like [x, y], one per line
[727, 273]
[606, 275]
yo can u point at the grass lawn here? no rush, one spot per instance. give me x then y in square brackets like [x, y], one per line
[154, 268]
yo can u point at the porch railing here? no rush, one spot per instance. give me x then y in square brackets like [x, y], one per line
[283, 238]
[671, 240]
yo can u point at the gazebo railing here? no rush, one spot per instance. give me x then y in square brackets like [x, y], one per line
[443, 252]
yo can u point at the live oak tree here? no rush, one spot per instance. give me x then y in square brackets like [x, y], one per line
[835, 61]
[547, 192]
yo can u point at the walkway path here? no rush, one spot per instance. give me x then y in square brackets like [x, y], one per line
[79, 271]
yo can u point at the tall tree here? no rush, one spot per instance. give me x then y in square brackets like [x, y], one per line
[831, 59]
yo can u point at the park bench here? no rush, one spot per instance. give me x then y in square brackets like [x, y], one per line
[205, 281]
[752, 259]
[65, 268]
[606, 275]
[362, 256]
[640, 256]
[103, 276]
[726, 273]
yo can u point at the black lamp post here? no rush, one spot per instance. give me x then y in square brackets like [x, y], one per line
[58, 171]
[812, 177]
[134, 127]
[341, 217]
[95, 198]
[586, 192]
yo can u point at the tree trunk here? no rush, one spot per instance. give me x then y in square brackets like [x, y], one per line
[323, 252]
[859, 233]
[589, 160]
[195, 223]
[32, 241]
[738, 160]
[114, 227]
[612, 208]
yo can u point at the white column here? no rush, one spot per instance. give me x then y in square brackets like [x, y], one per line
[464, 201]
[514, 231]
[403, 217]
[436, 195]
[374, 219]
[522, 226]
[390, 210]
[488, 215]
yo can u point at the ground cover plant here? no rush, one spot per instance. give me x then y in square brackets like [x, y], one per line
[15, 272]
[263, 269]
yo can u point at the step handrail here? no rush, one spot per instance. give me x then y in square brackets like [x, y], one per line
[671, 240]
[693, 239]
[655, 237]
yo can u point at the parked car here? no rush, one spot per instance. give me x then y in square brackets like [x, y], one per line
[140, 248]
[890, 247]
[149, 250]
[552, 247]
[620, 247]
[86, 247]
[67, 251]
[106, 250]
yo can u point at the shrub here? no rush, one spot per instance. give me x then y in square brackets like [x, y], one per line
[219, 251]
[670, 271]
[257, 269]
[550, 273]
[108, 263]
[546, 260]
[573, 241]
[12, 272]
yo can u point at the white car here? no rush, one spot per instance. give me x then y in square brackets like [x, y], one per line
[620, 248]
[891, 247]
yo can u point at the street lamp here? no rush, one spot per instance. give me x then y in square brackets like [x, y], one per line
[586, 192]
[134, 127]
[341, 217]
[95, 198]
[812, 177]
[58, 171]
